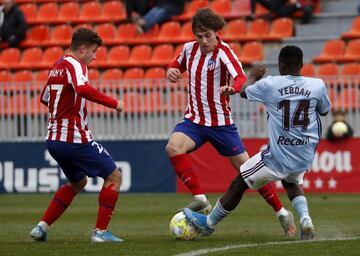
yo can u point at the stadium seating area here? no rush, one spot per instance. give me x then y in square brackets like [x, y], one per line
[129, 56]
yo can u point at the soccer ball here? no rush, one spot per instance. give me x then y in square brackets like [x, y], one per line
[181, 228]
[339, 129]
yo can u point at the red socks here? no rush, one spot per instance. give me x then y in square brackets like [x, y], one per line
[61, 200]
[107, 202]
[186, 174]
[270, 196]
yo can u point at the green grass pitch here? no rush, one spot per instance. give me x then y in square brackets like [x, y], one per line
[142, 221]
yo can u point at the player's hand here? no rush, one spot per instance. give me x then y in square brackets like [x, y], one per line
[257, 72]
[120, 106]
[227, 90]
[173, 75]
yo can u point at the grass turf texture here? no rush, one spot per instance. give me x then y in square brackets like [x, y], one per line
[142, 221]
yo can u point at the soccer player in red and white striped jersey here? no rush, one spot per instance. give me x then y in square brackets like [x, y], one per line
[70, 141]
[210, 63]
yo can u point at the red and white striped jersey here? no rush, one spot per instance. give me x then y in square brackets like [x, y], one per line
[207, 73]
[65, 94]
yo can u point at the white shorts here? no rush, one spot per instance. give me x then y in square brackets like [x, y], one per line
[256, 174]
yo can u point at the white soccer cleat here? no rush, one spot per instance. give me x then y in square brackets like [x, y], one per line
[288, 224]
[197, 205]
[307, 229]
[39, 234]
[102, 236]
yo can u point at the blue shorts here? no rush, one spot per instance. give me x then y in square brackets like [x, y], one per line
[225, 139]
[77, 160]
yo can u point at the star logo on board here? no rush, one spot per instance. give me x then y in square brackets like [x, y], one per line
[319, 183]
[306, 183]
[332, 183]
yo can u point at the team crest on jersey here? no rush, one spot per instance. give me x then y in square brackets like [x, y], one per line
[211, 64]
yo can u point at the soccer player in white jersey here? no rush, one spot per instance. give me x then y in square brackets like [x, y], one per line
[294, 104]
[70, 141]
[210, 63]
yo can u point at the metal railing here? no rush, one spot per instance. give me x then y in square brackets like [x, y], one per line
[153, 108]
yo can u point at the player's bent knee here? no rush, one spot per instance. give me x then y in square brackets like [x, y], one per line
[173, 149]
[114, 177]
[78, 186]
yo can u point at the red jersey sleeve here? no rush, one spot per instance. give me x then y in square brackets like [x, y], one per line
[77, 77]
[179, 62]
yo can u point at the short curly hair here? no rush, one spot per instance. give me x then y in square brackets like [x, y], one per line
[205, 19]
[84, 36]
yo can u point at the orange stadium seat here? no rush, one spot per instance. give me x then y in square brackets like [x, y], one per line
[251, 51]
[350, 73]
[113, 11]
[90, 12]
[118, 55]
[112, 74]
[186, 33]
[30, 58]
[126, 32]
[134, 73]
[221, 7]
[107, 32]
[352, 52]
[280, 28]
[23, 80]
[169, 32]
[41, 76]
[258, 30]
[51, 55]
[30, 11]
[236, 48]
[140, 55]
[47, 13]
[155, 73]
[235, 30]
[329, 73]
[9, 58]
[162, 55]
[156, 77]
[93, 75]
[354, 30]
[36, 36]
[308, 70]
[332, 49]
[5, 76]
[191, 8]
[101, 57]
[68, 12]
[60, 35]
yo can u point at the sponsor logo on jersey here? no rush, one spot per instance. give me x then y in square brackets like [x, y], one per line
[282, 140]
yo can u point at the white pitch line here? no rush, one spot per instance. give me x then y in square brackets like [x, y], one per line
[230, 247]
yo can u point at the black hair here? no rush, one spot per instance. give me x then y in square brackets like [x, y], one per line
[291, 56]
[84, 36]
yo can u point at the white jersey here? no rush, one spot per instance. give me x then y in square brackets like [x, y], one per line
[293, 104]
[207, 73]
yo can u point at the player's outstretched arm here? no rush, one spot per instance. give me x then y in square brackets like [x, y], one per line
[173, 75]
[93, 95]
[256, 74]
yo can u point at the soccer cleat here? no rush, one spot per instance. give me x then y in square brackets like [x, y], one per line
[198, 205]
[199, 221]
[288, 224]
[307, 229]
[38, 234]
[101, 236]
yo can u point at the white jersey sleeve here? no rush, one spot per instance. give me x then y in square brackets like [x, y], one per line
[258, 91]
